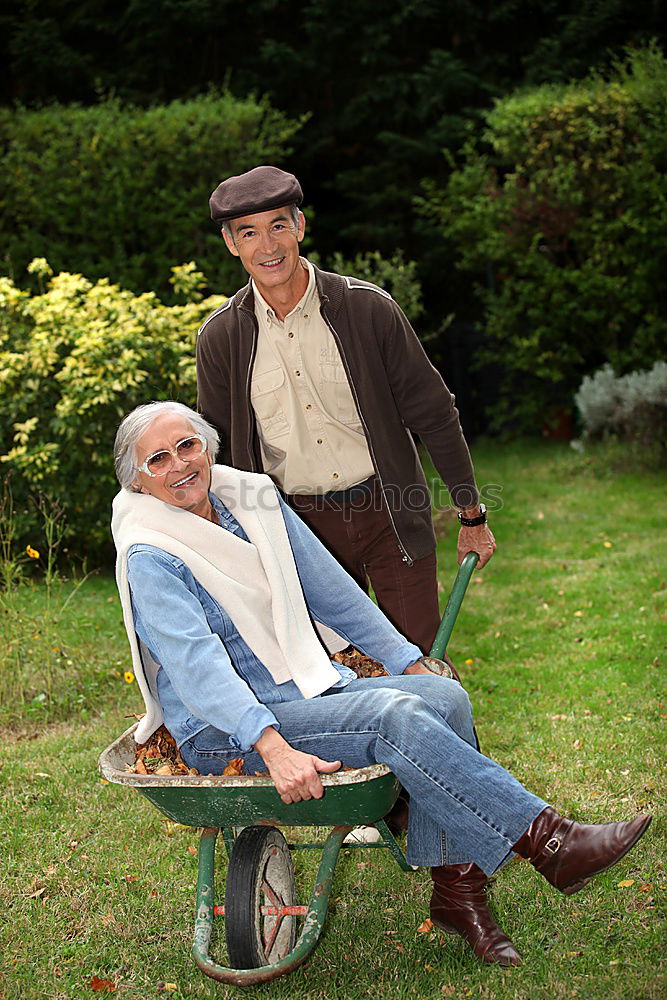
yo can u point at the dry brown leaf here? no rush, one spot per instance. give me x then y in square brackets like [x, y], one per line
[160, 755]
[234, 767]
[425, 926]
[192, 850]
[102, 985]
[362, 665]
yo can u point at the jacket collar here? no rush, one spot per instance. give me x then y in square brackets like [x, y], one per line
[329, 288]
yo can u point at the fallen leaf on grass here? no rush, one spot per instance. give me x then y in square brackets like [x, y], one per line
[102, 985]
[37, 893]
[169, 987]
[646, 887]
[625, 883]
[192, 850]
[425, 926]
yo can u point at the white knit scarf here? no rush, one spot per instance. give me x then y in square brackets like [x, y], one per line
[256, 583]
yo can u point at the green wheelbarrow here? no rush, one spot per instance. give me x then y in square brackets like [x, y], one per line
[260, 910]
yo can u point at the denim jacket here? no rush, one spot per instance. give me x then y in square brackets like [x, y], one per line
[209, 675]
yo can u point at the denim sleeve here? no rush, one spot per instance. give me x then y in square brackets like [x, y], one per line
[334, 599]
[171, 621]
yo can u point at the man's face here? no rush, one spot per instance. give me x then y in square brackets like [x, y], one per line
[268, 245]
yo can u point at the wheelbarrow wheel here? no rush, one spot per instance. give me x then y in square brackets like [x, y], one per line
[260, 874]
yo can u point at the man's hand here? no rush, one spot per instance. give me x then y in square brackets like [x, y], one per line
[480, 540]
[295, 774]
[418, 668]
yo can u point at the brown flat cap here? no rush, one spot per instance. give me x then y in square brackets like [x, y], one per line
[257, 190]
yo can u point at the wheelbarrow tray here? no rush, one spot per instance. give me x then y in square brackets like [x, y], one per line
[351, 798]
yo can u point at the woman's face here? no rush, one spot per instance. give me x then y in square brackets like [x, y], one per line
[187, 483]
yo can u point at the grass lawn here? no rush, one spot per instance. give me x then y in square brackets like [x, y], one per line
[562, 642]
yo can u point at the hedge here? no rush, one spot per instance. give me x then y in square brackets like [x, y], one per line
[122, 192]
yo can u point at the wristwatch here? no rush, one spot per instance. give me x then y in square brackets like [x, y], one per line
[472, 522]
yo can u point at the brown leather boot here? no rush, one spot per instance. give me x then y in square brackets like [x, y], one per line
[459, 906]
[569, 854]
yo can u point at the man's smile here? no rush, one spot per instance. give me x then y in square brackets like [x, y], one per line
[274, 262]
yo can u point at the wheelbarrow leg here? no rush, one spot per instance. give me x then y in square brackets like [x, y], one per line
[310, 933]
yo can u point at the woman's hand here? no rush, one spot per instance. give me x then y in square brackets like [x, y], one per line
[295, 774]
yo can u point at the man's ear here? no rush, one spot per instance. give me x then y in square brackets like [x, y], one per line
[231, 246]
[301, 227]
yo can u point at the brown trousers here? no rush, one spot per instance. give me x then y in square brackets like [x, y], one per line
[359, 534]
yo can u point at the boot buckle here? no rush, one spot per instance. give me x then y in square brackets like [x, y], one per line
[553, 845]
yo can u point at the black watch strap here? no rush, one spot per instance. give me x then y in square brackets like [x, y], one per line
[472, 522]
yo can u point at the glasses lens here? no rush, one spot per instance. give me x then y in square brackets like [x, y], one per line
[189, 448]
[159, 463]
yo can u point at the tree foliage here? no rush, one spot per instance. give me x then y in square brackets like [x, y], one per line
[387, 85]
[562, 219]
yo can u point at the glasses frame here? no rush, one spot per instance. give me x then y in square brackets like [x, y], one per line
[174, 454]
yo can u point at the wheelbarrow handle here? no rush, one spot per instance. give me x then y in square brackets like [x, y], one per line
[454, 604]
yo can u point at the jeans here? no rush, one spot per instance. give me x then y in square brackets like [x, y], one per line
[463, 806]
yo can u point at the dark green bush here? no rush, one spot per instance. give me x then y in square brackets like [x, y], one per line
[563, 221]
[395, 274]
[120, 192]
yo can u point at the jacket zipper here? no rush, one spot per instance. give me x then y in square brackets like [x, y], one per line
[406, 558]
[251, 415]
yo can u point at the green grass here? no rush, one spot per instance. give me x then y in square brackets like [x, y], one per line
[97, 883]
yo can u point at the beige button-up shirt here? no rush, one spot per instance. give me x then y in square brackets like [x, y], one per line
[310, 432]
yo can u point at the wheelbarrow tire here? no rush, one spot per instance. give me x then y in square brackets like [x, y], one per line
[260, 873]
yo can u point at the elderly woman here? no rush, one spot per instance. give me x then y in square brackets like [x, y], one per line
[232, 607]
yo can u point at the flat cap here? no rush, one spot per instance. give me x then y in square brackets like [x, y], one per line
[258, 190]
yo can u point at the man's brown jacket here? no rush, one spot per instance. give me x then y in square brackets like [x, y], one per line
[395, 387]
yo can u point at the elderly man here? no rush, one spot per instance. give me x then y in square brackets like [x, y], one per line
[319, 380]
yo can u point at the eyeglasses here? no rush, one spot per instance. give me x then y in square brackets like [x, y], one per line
[161, 462]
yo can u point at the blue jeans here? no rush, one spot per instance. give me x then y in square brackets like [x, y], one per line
[463, 806]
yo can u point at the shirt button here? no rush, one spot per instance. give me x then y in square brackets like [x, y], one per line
[335, 475]
[290, 334]
[319, 440]
[309, 406]
[305, 315]
[297, 373]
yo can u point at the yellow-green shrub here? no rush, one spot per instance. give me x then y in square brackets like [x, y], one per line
[73, 360]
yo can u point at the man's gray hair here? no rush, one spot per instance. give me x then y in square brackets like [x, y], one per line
[137, 423]
[295, 212]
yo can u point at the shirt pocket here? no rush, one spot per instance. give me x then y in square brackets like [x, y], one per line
[266, 393]
[335, 390]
